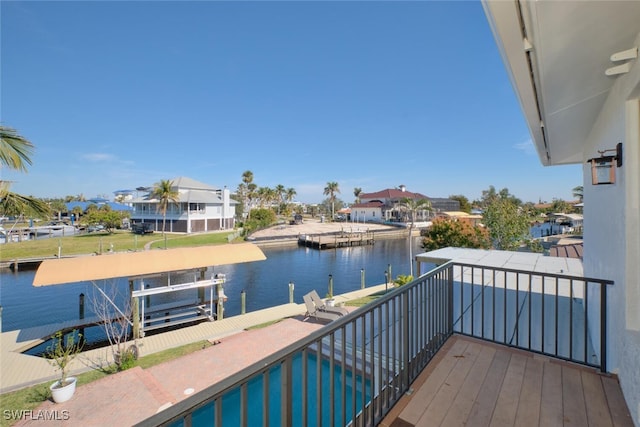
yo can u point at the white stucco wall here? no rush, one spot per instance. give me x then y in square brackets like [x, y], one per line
[612, 230]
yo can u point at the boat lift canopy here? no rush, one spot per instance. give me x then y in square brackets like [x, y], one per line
[142, 264]
[135, 264]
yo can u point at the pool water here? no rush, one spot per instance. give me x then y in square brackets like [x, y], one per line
[205, 416]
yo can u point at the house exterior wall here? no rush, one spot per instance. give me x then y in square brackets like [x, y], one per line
[612, 230]
[366, 214]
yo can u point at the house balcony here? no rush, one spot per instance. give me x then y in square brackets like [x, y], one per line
[462, 344]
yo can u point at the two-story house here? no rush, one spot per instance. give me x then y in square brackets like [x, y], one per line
[201, 207]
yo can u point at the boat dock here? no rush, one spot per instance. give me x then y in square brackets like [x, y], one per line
[338, 240]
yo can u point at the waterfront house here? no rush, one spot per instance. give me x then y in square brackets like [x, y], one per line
[201, 207]
[386, 205]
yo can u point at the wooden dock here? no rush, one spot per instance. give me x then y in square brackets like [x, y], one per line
[338, 240]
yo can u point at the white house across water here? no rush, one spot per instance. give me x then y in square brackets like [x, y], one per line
[201, 207]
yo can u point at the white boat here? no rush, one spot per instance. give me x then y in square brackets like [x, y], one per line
[52, 230]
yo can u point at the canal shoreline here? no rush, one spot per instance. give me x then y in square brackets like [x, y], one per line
[278, 235]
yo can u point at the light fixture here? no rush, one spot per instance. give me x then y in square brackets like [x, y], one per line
[602, 170]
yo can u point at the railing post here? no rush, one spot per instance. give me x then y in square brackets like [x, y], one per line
[285, 394]
[603, 327]
[450, 300]
[405, 340]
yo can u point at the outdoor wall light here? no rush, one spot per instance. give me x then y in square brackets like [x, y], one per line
[602, 170]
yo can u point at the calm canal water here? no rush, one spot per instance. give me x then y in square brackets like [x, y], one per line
[266, 283]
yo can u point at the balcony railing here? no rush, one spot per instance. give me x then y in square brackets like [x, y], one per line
[556, 315]
[354, 370]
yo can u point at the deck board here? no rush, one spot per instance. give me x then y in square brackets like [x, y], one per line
[528, 413]
[476, 383]
[423, 396]
[484, 405]
[439, 407]
[574, 409]
[507, 404]
[596, 401]
[465, 399]
[551, 399]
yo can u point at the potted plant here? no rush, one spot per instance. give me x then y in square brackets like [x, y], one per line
[60, 354]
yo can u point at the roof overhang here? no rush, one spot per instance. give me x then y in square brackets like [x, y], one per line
[134, 264]
[556, 54]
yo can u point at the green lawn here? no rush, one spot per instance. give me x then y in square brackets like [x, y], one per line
[103, 242]
[359, 302]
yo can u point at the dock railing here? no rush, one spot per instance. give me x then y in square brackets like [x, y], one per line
[354, 370]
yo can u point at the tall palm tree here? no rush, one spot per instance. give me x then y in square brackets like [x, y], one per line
[290, 194]
[578, 192]
[15, 153]
[280, 192]
[330, 190]
[250, 187]
[356, 192]
[413, 206]
[164, 192]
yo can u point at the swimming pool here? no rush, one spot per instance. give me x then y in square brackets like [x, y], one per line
[205, 416]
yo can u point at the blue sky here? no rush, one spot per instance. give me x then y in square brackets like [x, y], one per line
[117, 95]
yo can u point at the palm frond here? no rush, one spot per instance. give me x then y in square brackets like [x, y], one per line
[15, 150]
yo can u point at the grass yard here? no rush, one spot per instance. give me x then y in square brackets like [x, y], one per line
[120, 241]
[359, 302]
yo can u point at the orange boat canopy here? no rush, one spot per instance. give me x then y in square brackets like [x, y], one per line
[133, 264]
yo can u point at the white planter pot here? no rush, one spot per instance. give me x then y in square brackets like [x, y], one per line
[330, 302]
[62, 394]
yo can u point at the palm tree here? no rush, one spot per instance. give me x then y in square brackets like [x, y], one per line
[164, 192]
[578, 192]
[412, 207]
[330, 190]
[280, 191]
[290, 194]
[356, 192]
[15, 153]
[13, 204]
[250, 187]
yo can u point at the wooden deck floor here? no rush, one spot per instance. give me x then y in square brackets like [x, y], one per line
[475, 383]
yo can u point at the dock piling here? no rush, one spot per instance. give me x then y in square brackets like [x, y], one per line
[291, 287]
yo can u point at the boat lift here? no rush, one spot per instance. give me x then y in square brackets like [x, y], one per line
[216, 281]
[138, 265]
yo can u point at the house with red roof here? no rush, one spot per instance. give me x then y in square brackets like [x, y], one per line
[387, 206]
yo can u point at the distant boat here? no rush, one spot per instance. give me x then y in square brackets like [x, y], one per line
[13, 235]
[52, 230]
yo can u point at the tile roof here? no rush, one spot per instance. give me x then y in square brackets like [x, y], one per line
[566, 251]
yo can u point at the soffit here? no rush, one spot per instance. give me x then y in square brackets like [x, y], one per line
[571, 45]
